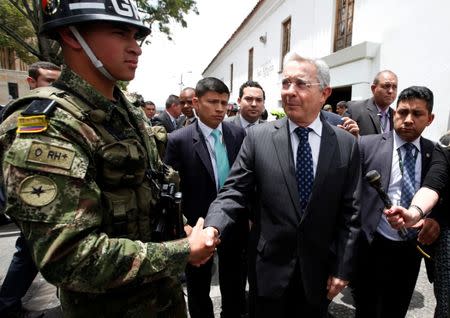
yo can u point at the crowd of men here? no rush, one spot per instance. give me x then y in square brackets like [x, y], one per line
[300, 207]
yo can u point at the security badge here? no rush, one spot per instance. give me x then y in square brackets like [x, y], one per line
[50, 155]
[37, 190]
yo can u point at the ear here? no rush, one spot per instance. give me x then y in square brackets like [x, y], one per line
[195, 103]
[31, 82]
[68, 39]
[326, 92]
[430, 119]
[372, 88]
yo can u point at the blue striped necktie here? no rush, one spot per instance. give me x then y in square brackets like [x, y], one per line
[408, 167]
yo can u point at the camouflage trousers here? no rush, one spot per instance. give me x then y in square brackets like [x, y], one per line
[161, 299]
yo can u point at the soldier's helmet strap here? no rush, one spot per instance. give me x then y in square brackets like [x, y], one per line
[95, 61]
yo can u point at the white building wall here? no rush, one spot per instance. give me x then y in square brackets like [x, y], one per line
[405, 36]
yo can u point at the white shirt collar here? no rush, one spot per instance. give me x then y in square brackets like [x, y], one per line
[207, 130]
[316, 126]
[398, 141]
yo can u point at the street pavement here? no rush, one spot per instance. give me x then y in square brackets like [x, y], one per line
[41, 297]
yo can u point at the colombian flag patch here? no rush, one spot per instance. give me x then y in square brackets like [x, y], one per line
[31, 124]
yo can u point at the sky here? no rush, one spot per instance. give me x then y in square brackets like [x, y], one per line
[164, 63]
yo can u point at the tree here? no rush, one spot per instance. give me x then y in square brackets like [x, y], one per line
[19, 24]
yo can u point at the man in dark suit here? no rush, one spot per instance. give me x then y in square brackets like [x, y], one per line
[306, 175]
[381, 290]
[373, 115]
[169, 118]
[251, 105]
[187, 94]
[193, 152]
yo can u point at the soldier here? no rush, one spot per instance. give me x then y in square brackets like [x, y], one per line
[82, 173]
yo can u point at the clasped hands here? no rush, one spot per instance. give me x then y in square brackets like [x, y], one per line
[202, 242]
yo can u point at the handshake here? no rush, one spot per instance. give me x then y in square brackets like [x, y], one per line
[202, 242]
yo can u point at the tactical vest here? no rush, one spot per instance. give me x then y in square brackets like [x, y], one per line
[127, 172]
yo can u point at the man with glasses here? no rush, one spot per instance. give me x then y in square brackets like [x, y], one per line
[373, 115]
[186, 96]
[251, 105]
[301, 246]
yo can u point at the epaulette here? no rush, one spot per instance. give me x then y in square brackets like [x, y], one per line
[34, 119]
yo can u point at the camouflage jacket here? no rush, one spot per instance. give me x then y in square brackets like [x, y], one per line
[55, 194]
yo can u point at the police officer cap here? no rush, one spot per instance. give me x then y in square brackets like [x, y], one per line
[60, 13]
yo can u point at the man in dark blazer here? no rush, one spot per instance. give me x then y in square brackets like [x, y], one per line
[380, 290]
[190, 151]
[373, 115]
[251, 105]
[169, 118]
[302, 245]
[187, 94]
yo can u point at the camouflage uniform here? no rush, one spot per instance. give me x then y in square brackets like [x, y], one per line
[63, 192]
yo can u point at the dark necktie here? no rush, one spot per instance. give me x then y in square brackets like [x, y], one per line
[384, 121]
[223, 167]
[304, 172]
[408, 167]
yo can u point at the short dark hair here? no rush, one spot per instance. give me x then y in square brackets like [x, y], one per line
[445, 139]
[149, 102]
[250, 83]
[342, 103]
[172, 99]
[210, 84]
[33, 70]
[417, 92]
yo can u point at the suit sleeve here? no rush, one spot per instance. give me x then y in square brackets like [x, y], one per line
[233, 198]
[349, 223]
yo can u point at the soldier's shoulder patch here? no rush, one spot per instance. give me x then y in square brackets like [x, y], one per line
[31, 124]
[50, 156]
[37, 190]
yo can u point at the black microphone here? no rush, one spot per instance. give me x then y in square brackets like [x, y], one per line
[374, 179]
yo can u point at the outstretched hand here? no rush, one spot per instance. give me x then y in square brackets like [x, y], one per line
[399, 217]
[202, 243]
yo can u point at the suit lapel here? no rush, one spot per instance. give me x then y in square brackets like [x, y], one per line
[386, 151]
[426, 147]
[373, 113]
[200, 148]
[230, 143]
[284, 153]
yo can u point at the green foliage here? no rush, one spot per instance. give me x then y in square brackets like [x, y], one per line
[19, 25]
[14, 20]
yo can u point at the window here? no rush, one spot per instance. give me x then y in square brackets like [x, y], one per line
[344, 24]
[13, 90]
[231, 77]
[286, 38]
[250, 64]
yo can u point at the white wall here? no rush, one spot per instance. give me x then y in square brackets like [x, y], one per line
[409, 36]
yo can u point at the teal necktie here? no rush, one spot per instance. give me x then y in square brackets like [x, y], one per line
[223, 167]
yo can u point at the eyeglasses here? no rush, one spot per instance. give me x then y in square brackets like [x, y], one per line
[250, 99]
[298, 83]
[388, 86]
[189, 102]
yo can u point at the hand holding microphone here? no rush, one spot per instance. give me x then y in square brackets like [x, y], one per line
[374, 179]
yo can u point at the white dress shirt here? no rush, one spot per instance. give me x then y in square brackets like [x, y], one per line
[313, 139]
[395, 183]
